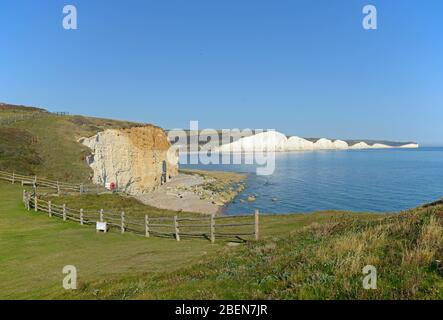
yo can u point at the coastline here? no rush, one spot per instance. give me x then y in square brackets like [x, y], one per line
[199, 191]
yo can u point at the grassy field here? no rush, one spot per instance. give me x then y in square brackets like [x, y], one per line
[321, 261]
[35, 248]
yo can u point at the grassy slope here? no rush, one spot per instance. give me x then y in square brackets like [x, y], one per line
[322, 261]
[17, 151]
[48, 146]
[7, 110]
[35, 248]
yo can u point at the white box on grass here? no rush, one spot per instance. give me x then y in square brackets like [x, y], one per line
[101, 226]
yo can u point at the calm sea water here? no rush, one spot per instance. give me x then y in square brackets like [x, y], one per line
[367, 180]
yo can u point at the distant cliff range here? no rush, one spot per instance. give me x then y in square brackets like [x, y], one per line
[272, 140]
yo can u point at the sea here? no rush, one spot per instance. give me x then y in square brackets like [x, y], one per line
[383, 181]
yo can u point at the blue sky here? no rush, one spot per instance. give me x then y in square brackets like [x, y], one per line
[301, 67]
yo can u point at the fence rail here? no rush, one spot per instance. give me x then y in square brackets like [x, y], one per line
[176, 227]
[36, 181]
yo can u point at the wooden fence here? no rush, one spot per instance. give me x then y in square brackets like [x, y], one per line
[38, 182]
[208, 227]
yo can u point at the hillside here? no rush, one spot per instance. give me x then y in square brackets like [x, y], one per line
[46, 144]
[301, 256]
[35, 248]
[14, 110]
[323, 260]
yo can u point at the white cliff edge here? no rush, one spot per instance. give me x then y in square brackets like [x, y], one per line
[136, 160]
[276, 141]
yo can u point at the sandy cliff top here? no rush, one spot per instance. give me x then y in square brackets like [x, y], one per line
[147, 137]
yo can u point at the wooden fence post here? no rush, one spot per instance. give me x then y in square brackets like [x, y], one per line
[257, 214]
[212, 228]
[35, 203]
[25, 199]
[28, 202]
[81, 216]
[64, 212]
[146, 226]
[177, 231]
[81, 188]
[123, 223]
[58, 188]
[49, 209]
[13, 177]
[101, 215]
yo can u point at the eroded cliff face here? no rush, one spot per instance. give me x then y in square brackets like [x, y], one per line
[137, 160]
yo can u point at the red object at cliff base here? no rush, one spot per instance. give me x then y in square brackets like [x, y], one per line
[111, 186]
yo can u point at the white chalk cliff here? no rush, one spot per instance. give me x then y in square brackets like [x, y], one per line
[264, 141]
[136, 160]
[276, 141]
[298, 144]
[410, 146]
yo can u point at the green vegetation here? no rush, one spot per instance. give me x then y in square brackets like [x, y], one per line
[313, 256]
[321, 261]
[17, 150]
[35, 248]
[7, 110]
[47, 145]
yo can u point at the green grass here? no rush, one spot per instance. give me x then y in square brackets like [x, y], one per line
[47, 146]
[17, 150]
[7, 110]
[35, 248]
[322, 261]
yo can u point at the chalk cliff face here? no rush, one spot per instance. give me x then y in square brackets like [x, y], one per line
[276, 141]
[137, 160]
[324, 144]
[264, 141]
[360, 145]
[340, 145]
[409, 146]
[298, 144]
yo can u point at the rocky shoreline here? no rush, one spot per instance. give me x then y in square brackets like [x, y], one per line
[199, 191]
